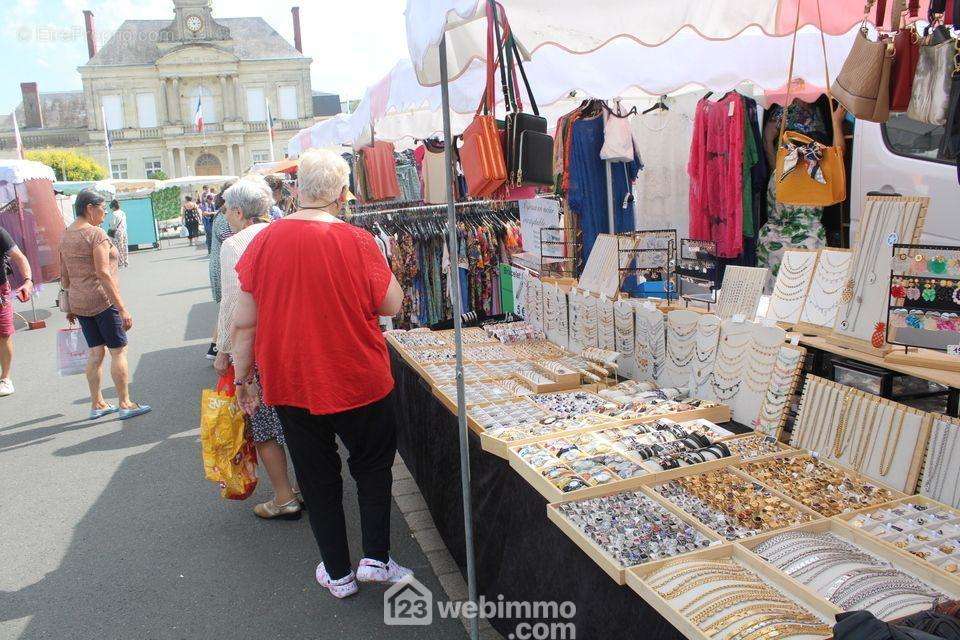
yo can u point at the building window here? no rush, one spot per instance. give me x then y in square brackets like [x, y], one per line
[256, 106]
[208, 106]
[261, 155]
[118, 169]
[146, 110]
[287, 95]
[112, 106]
[151, 166]
[912, 139]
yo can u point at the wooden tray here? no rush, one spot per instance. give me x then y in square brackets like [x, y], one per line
[846, 517]
[899, 559]
[604, 560]
[783, 447]
[794, 590]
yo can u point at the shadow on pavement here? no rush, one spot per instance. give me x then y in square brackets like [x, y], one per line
[182, 291]
[200, 321]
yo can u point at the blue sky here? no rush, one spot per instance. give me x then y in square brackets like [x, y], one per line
[353, 44]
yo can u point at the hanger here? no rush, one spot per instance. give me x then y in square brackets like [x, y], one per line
[618, 113]
[660, 105]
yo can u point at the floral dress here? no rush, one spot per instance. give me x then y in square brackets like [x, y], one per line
[791, 226]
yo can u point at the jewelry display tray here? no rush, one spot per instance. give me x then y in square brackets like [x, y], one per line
[742, 553]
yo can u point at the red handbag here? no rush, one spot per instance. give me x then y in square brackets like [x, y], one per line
[481, 155]
[906, 45]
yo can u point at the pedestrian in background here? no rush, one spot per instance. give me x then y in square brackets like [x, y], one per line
[191, 219]
[88, 272]
[10, 253]
[221, 231]
[276, 190]
[118, 232]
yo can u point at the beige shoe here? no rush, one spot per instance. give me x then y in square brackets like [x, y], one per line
[271, 510]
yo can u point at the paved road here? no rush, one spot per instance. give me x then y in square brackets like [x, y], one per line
[109, 530]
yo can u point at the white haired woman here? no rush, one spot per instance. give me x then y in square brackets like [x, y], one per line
[247, 205]
[312, 291]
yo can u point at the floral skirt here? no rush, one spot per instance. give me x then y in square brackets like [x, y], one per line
[265, 423]
[788, 227]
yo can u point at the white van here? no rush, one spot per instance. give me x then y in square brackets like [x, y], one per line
[904, 156]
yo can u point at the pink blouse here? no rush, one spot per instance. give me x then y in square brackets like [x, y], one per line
[716, 174]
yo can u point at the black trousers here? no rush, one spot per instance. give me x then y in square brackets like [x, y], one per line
[370, 436]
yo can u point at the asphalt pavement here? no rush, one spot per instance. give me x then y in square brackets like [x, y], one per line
[108, 529]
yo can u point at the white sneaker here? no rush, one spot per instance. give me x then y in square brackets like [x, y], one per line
[375, 571]
[6, 387]
[342, 588]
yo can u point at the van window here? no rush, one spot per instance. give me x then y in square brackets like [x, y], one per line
[906, 137]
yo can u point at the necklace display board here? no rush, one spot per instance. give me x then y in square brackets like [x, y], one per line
[862, 313]
[783, 384]
[583, 320]
[741, 291]
[697, 271]
[819, 312]
[681, 348]
[606, 330]
[650, 353]
[625, 333]
[707, 344]
[556, 322]
[601, 273]
[924, 309]
[533, 301]
[881, 439]
[941, 481]
[726, 379]
[792, 285]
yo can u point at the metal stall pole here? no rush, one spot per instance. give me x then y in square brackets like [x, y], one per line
[458, 340]
[610, 217]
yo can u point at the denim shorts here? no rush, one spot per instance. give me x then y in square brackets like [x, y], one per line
[105, 328]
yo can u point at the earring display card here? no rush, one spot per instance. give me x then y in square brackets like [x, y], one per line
[555, 315]
[783, 384]
[881, 439]
[698, 261]
[924, 296]
[793, 283]
[820, 307]
[926, 529]
[862, 314]
[829, 557]
[741, 291]
[941, 481]
[813, 483]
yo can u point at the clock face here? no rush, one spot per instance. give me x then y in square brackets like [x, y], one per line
[194, 23]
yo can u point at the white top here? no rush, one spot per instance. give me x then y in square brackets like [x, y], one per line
[231, 251]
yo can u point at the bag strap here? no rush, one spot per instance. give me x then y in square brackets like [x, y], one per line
[486, 100]
[514, 51]
[826, 69]
[881, 12]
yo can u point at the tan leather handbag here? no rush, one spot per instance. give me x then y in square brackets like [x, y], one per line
[808, 173]
[863, 86]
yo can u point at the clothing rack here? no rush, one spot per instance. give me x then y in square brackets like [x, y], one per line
[435, 208]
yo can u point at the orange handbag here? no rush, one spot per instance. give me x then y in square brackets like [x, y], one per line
[808, 173]
[481, 156]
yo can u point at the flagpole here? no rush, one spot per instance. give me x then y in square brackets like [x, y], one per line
[273, 157]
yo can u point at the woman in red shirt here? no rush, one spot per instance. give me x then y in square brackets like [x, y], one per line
[312, 289]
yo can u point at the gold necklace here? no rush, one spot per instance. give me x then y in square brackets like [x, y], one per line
[838, 443]
[756, 597]
[866, 437]
[885, 465]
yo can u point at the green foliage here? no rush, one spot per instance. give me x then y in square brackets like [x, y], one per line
[159, 174]
[166, 203]
[69, 165]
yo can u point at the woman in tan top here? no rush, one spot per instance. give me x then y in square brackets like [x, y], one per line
[88, 267]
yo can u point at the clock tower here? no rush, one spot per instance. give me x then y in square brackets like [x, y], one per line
[193, 21]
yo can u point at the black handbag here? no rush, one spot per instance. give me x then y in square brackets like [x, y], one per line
[950, 146]
[528, 147]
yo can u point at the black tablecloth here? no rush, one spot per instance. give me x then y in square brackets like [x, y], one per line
[520, 554]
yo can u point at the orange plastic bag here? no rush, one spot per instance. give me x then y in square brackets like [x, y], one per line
[229, 457]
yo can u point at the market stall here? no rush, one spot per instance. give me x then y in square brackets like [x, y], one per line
[29, 212]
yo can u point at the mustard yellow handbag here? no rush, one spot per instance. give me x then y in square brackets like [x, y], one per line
[808, 173]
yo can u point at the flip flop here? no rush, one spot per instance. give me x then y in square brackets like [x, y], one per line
[126, 414]
[99, 413]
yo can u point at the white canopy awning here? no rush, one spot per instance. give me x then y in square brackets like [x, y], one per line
[17, 171]
[572, 26]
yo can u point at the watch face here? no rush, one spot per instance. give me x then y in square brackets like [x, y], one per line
[194, 23]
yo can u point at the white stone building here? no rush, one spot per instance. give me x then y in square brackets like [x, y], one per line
[147, 82]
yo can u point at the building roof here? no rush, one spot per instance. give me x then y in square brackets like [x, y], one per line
[136, 42]
[60, 109]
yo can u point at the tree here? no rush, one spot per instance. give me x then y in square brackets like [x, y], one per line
[69, 165]
[158, 174]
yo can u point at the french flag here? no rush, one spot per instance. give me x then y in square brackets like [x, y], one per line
[198, 116]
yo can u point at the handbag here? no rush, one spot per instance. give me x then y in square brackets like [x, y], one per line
[63, 301]
[808, 173]
[863, 85]
[906, 46]
[529, 162]
[930, 97]
[617, 138]
[481, 155]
